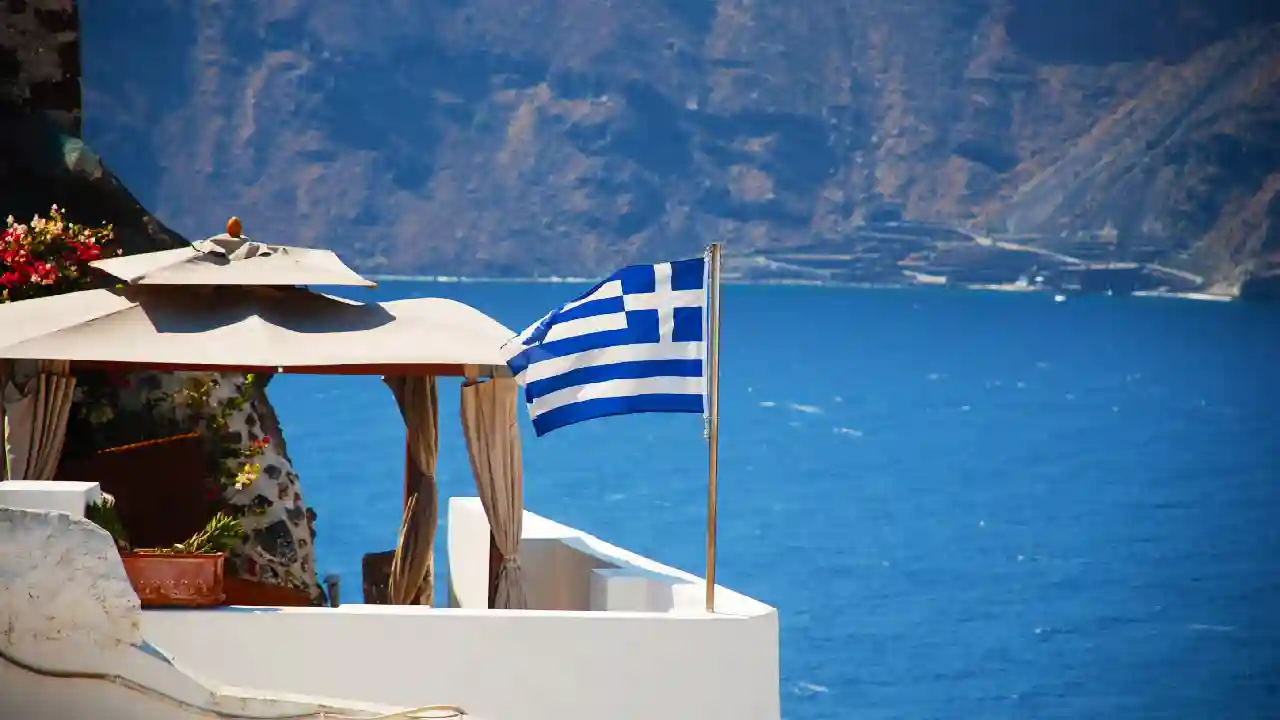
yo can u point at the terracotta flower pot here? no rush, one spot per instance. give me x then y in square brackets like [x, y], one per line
[176, 580]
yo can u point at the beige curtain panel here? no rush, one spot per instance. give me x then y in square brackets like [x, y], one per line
[35, 420]
[413, 568]
[489, 423]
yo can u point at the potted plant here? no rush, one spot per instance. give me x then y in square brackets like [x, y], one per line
[188, 574]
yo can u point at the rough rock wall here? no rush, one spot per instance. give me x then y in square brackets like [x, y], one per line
[567, 136]
[43, 161]
[40, 59]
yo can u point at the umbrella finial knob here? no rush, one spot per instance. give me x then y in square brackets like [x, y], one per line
[233, 227]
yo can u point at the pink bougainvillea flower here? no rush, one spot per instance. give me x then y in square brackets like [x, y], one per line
[49, 255]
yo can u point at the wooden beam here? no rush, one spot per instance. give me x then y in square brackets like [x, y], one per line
[388, 369]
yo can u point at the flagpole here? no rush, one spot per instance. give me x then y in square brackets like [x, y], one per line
[713, 414]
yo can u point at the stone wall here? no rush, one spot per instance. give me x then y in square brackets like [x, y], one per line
[278, 547]
[43, 160]
[40, 58]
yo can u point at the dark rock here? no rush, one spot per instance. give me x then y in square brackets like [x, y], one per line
[276, 540]
[260, 503]
[296, 514]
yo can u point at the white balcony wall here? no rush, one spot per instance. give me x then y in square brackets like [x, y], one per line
[578, 659]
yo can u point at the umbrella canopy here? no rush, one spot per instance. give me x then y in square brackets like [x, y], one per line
[245, 328]
[232, 259]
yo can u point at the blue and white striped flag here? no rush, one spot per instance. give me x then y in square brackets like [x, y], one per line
[634, 343]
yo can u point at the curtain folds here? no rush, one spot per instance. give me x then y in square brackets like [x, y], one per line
[413, 567]
[489, 423]
[35, 420]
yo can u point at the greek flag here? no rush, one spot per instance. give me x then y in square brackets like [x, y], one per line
[634, 343]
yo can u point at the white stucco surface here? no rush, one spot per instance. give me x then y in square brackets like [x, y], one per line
[63, 589]
[568, 569]
[66, 607]
[532, 665]
[67, 497]
[71, 642]
[567, 663]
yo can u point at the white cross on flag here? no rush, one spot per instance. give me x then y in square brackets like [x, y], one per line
[633, 343]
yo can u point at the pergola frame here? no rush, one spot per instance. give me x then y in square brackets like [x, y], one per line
[469, 373]
[230, 261]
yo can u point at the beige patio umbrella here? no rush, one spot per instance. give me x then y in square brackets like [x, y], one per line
[242, 329]
[233, 259]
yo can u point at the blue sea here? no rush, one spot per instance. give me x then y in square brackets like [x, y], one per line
[964, 505]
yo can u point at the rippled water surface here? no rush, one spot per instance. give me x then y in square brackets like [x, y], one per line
[963, 505]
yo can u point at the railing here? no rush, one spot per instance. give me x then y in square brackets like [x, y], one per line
[567, 569]
[617, 635]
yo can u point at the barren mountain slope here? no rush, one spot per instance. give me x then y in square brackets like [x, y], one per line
[564, 137]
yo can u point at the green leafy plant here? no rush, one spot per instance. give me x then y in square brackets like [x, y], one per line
[103, 514]
[219, 536]
[230, 462]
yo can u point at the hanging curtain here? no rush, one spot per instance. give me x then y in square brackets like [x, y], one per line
[413, 567]
[493, 443]
[35, 420]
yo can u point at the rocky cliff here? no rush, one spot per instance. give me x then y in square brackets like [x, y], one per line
[42, 158]
[43, 161]
[847, 139]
